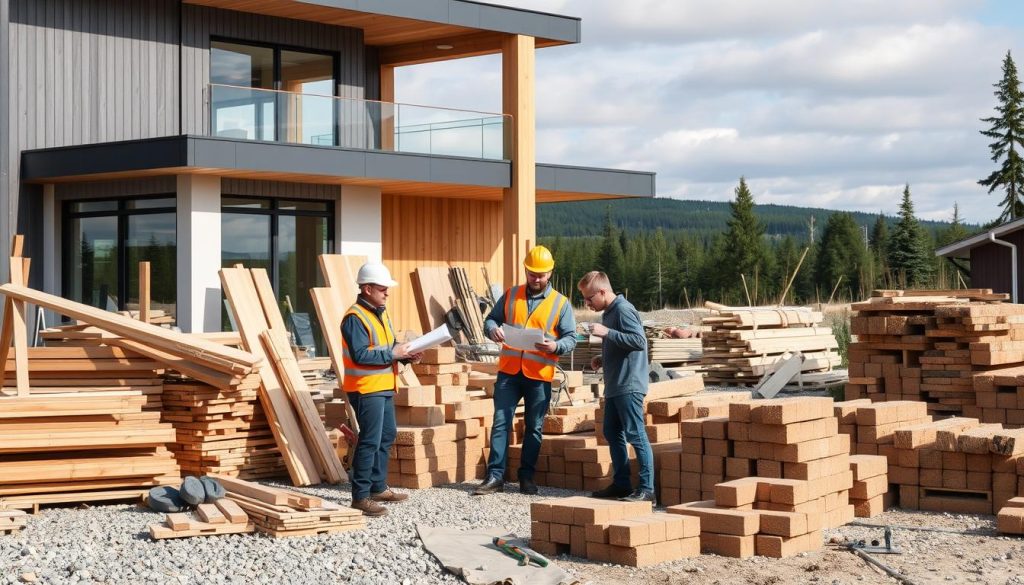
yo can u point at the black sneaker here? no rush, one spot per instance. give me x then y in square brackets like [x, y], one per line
[611, 492]
[527, 486]
[638, 496]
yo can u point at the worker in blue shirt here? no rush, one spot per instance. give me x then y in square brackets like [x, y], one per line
[626, 374]
[525, 376]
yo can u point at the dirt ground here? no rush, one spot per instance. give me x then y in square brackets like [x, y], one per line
[946, 548]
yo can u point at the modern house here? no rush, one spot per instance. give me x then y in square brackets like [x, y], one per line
[994, 256]
[202, 133]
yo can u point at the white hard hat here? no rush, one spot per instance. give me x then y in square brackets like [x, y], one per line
[375, 273]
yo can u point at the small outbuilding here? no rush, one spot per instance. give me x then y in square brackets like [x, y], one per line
[994, 256]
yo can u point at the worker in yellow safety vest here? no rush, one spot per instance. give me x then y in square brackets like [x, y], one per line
[525, 374]
[371, 357]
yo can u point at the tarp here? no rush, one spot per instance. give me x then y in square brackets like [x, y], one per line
[471, 555]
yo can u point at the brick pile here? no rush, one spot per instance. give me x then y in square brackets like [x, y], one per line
[625, 533]
[764, 516]
[788, 438]
[999, 395]
[951, 465]
[870, 484]
[929, 345]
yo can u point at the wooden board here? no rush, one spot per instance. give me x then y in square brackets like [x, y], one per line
[161, 532]
[340, 271]
[245, 304]
[434, 295]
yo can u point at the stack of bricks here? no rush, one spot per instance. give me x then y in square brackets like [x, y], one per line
[1000, 396]
[625, 533]
[1010, 519]
[876, 424]
[220, 431]
[930, 345]
[787, 438]
[951, 465]
[764, 516]
[870, 484]
[441, 432]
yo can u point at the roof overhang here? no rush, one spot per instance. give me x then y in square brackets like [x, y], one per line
[395, 173]
[962, 248]
[410, 31]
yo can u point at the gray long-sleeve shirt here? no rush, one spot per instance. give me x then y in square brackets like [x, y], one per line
[624, 350]
[566, 327]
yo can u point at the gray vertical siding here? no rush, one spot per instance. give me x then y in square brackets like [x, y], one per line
[200, 23]
[8, 184]
[990, 265]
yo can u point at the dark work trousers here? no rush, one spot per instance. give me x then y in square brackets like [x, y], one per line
[624, 423]
[509, 390]
[376, 417]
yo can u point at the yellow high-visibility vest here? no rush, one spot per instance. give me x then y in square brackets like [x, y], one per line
[367, 379]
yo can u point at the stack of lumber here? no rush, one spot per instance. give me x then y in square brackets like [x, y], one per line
[220, 432]
[1010, 519]
[999, 396]
[581, 356]
[223, 516]
[747, 342]
[929, 345]
[12, 521]
[282, 513]
[952, 465]
[870, 484]
[609, 531]
[769, 517]
[788, 438]
[81, 446]
[674, 352]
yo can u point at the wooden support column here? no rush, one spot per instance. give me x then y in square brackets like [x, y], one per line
[144, 291]
[388, 109]
[520, 200]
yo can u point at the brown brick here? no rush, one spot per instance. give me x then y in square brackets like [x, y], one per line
[713, 465]
[597, 532]
[909, 497]
[869, 508]
[869, 488]
[954, 479]
[600, 552]
[727, 545]
[541, 511]
[1010, 521]
[786, 524]
[795, 432]
[738, 492]
[777, 547]
[560, 533]
[628, 533]
[578, 541]
[438, 355]
[739, 431]
[717, 447]
[786, 491]
[719, 520]
[546, 548]
[865, 466]
[783, 411]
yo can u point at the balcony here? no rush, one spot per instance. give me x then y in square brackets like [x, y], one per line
[299, 118]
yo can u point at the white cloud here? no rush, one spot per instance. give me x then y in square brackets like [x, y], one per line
[832, 103]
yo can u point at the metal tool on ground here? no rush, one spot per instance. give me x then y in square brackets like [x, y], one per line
[876, 547]
[524, 555]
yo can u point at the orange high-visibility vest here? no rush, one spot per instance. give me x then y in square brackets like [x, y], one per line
[366, 379]
[536, 365]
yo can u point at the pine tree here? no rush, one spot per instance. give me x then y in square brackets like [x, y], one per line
[610, 257]
[955, 231]
[842, 254]
[1007, 131]
[908, 248]
[744, 241]
[878, 243]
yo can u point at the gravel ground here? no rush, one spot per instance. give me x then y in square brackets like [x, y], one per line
[110, 544]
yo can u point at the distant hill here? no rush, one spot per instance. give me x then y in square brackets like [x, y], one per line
[677, 216]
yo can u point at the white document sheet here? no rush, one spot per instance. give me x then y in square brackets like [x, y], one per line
[429, 340]
[522, 339]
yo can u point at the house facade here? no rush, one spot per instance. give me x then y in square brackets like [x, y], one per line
[196, 134]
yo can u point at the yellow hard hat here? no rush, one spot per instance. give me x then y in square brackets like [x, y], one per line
[539, 260]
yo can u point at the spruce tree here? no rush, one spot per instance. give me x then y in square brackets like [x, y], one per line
[842, 254]
[744, 241]
[908, 248]
[610, 257]
[955, 231]
[1007, 132]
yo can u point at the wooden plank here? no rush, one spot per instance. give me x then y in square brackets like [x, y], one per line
[210, 514]
[144, 291]
[331, 310]
[19, 330]
[265, 494]
[184, 365]
[340, 272]
[295, 385]
[265, 291]
[232, 511]
[7, 331]
[245, 304]
[158, 532]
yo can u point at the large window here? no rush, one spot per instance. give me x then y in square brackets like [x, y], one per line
[286, 237]
[272, 93]
[104, 241]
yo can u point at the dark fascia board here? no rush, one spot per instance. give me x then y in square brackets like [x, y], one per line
[476, 15]
[229, 154]
[575, 179]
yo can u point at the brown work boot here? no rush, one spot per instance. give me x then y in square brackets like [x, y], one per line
[389, 495]
[369, 507]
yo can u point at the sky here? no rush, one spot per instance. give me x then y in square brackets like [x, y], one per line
[817, 103]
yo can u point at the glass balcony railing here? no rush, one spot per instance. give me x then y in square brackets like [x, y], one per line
[298, 118]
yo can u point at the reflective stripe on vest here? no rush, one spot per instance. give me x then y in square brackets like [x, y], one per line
[536, 365]
[364, 378]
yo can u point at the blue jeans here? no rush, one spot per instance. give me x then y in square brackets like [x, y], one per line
[624, 423]
[377, 430]
[509, 390]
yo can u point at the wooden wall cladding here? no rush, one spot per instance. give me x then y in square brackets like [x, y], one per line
[419, 231]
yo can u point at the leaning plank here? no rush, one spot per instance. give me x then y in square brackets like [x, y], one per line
[212, 354]
[266, 494]
[340, 271]
[265, 291]
[331, 308]
[7, 331]
[215, 378]
[19, 330]
[245, 304]
[295, 385]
